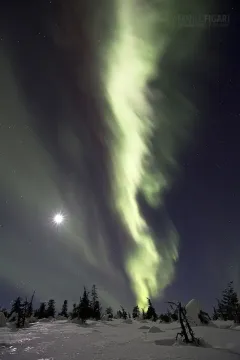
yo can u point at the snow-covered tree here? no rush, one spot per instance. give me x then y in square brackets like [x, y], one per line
[151, 313]
[16, 306]
[109, 312]
[204, 317]
[136, 312]
[165, 318]
[18, 312]
[144, 316]
[227, 308]
[84, 307]
[95, 304]
[4, 311]
[3, 319]
[41, 312]
[50, 312]
[30, 306]
[64, 311]
[119, 314]
[74, 312]
[124, 313]
[215, 314]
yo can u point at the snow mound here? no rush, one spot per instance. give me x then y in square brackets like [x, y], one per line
[78, 322]
[13, 325]
[144, 327]
[237, 328]
[154, 329]
[45, 320]
[212, 324]
[144, 321]
[32, 319]
[60, 317]
[204, 343]
[221, 324]
[92, 322]
[193, 309]
[3, 320]
[106, 317]
[128, 321]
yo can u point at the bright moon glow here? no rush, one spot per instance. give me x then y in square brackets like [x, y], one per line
[58, 219]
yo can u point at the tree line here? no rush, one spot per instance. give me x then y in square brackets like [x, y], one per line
[89, 307]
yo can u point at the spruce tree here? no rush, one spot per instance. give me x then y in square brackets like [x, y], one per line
[75, 312]
[50, 312]
[24, 315]
[30, 306]
[144, 316]
[41, 312]
[85, 307]
[136, 312]
[109, 312]
[237, 319]
[174, 316]
[228, 306]
[215, 314]
[17, 308]
[151, 313]
[204, 317]
[4, 311]
[97, 311]
[165, 318]
[64, 311]
[95, 304]
[20, 309]
[124, 313]
[119, 314]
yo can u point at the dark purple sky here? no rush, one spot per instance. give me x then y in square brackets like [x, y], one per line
[203, 202]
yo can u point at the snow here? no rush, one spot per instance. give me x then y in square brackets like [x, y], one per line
[224, 324]
[32, 319]
[106, 317]
[60, 317]
[144, 327]
[193, 309]
[115, 340]
[155, 329]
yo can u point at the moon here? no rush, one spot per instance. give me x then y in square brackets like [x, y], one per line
[58, 219]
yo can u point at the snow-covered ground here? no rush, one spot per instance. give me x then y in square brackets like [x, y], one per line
[114, 340]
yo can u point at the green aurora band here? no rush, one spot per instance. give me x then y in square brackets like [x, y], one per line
[142, 34]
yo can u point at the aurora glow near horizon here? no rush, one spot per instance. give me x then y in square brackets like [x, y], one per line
[140, 126]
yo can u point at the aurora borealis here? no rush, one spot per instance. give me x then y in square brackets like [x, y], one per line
[143, 33]
[96, 117]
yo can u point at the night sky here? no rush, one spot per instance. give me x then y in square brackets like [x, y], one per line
[54, 157]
